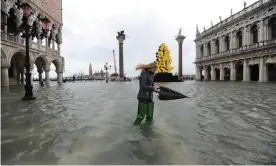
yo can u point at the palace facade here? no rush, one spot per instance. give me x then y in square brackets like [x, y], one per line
[241, 47]
[44, 49]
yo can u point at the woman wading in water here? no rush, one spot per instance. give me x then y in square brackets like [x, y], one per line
[145, 94]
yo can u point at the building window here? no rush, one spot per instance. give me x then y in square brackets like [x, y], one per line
[239, 38]
[227, 43]
[217, 46]
[272, 25]
[209, 49]
[254, 32]
[201, 51]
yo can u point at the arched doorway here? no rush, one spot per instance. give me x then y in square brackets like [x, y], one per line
[254, 72]
[209, 73]
[239, 71]
[271, 71]
[226, 74]
[16, 70]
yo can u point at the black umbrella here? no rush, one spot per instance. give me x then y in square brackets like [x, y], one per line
[169, 94]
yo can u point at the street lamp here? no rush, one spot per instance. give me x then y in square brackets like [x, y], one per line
[26, 28]
[106, 67]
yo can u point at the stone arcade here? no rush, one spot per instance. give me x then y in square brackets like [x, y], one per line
[13, 47]
[241, 47]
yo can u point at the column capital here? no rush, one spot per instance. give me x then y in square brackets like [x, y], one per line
[59, 71]
[180, 39]
[121, 39]
[4, 67]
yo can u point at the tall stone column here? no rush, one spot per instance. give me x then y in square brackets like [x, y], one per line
[59, 77]
[261, 70]
[198, 74]
[213, 73]
[221, 73]
[47, 77]
[180, 39]
[121, 56]
[5, 76]
[244, 71]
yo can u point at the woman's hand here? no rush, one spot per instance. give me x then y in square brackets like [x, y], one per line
[156, 89]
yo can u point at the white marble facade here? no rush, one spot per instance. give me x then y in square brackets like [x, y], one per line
[241, 47]
[43, 52]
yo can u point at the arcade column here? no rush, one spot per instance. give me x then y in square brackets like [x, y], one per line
[59, 77]
[121, 39]
[180, 39]
[4, 76]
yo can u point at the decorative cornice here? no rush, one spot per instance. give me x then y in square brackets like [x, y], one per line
[232, 21]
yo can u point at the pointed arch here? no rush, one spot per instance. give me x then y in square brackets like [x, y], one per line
[4, 59]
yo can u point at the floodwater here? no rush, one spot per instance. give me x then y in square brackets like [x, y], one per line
[91, 123]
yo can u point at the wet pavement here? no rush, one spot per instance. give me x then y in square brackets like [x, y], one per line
[91, 123]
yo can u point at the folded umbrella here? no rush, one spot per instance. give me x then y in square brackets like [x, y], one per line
[169, 94]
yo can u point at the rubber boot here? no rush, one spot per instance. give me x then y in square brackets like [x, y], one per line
[142, 109]
[149, 113]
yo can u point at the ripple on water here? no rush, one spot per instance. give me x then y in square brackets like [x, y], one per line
[91, 123]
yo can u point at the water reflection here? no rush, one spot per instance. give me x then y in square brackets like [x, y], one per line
[91, 123]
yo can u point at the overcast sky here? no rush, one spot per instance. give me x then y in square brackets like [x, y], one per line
[90, 29]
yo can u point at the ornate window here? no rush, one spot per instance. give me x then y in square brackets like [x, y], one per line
[209, 49]
[201, 51]
[217, 45]
[239, 39]
[272, 25]
[254, 32]
[227, 43]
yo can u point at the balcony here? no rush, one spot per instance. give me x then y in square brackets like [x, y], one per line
[20, 42]
[240, 50]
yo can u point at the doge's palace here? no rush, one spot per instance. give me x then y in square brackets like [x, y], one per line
[44, 49]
